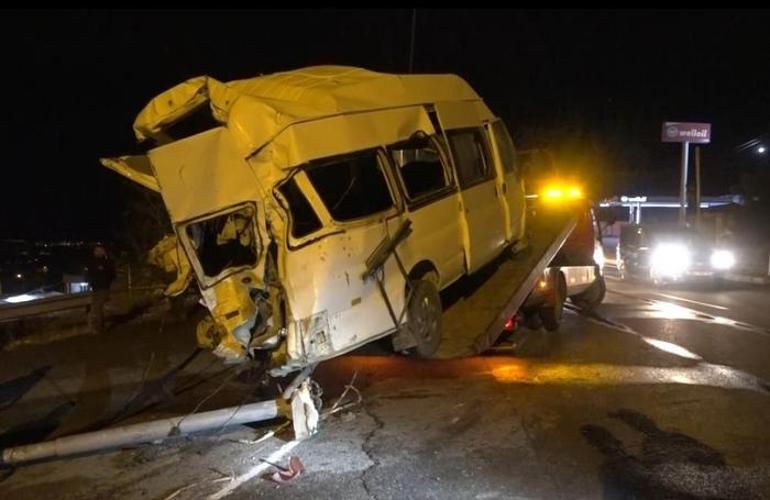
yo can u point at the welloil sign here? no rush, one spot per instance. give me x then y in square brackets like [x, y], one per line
[686, 132]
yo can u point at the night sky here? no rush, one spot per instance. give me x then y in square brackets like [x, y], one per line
[593, 86]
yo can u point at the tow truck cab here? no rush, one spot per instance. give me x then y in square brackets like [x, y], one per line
[576, 272]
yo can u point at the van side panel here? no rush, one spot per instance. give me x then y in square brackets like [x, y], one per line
[323, 280]
[436, 237]
[509, 181]
[462, 114]
[482, 224]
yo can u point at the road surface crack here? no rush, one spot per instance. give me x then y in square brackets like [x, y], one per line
[368, 448]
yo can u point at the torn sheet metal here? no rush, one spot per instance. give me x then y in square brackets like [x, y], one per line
[173, 105]
[208, 165]
[168, 255]
[304, 414]
[137, 168]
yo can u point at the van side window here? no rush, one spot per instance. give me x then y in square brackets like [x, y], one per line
[418, 162]
[352, 187]
[505, 146]
[303, 218]
[469, 150]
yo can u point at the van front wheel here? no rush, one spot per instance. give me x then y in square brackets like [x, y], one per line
[424, 318]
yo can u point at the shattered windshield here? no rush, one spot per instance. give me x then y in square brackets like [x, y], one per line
[227, 241]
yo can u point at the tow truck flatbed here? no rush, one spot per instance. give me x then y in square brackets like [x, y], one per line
[477, 307]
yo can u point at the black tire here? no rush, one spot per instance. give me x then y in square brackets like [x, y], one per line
[532, 319]
[551, 315]
[588, 300]
[424, 315]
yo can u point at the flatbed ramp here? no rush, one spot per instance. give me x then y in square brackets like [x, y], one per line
[477, 307]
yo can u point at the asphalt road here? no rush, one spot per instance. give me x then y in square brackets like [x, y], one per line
[663, 393]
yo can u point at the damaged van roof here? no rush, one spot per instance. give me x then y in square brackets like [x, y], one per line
[267, 125]
[278, 100]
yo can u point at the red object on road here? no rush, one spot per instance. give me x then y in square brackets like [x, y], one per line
[294, 469]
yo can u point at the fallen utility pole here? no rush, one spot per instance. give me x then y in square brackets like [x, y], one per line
[146, 432]
[299, 409]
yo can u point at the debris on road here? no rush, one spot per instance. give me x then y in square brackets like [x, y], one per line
[267, 435]
[339, 406]
[286, 474]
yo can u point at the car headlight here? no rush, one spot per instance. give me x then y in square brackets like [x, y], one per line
[722, 259]
[670, 259]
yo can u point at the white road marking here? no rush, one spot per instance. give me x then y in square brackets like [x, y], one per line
[671, 348]
[662, 345]
[674, 297]
[254, 471]
[702, 373]
[676, 311]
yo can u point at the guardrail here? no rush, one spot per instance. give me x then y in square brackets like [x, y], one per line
[11, 312]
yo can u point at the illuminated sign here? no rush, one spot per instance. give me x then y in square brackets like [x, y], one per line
[686, 132]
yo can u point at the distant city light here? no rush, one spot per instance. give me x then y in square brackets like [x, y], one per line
[19, 276]
[24, 297]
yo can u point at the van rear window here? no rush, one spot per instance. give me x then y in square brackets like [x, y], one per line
[352, 187]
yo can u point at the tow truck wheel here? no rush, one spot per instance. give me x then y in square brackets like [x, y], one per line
[588, 300]
[551, 314]
[424, 318]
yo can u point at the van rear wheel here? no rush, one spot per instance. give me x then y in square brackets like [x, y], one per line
[424, 318]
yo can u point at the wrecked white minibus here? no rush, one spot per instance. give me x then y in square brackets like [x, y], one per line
[326, 207]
